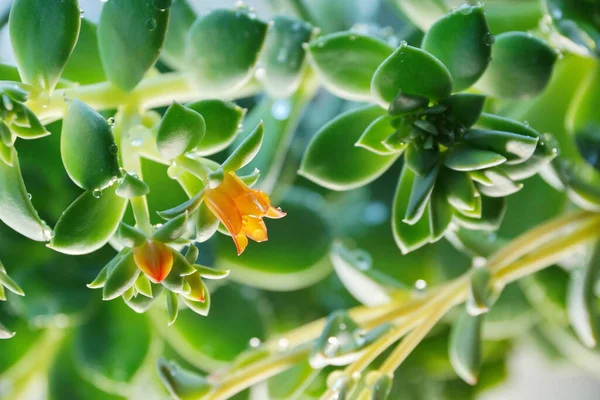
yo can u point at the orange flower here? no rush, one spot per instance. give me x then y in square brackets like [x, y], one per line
[155, 259]
[241, 210]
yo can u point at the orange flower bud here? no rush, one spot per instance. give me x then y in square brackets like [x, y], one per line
[155, 259]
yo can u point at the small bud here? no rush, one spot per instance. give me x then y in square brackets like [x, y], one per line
[155, 259]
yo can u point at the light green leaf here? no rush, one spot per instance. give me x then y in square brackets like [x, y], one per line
[492, 212]
[346, 62]
[480, 297]
[16, 209]
[582, 302]
[206, 224]
[130, 36]
[408, 237]
[468, 54]
[465, 347]
[515, 147]
[130, 236]
[180, 130]
[282, 58]
[465, 158]
[131, 187]
[143, 286]
[88, 223]
[521, 66]
[222, 120]
[40, 55]
[423, 13]
[87, 148]
[211, 273]
[181, 18]
[120, 276]
[501, 185]
[246, 151]
[412, 71]
[84, 65]
[172, 229]
[353, 166]
[294, 257]
[181, 383]
[172, 306]
[373, 137]
[215, 70]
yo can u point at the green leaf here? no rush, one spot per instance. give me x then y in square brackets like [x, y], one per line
[583, 121]
[460, 190]
[411, 71]
[373, 137]
[131, 187]
[9, 73]
[222, 120]
[211, 273]
[40, 56]
[141, 304]
[423, 13]
[9, 283]
[7, 154]
[246, 151]
[172, 306]
[521, 66]
[419, 195]
[468, 54]
[420, 160]
[346, 62]
[181, 18]
[110, 353]
[465, 107]
[191, 254]
[408, 237]
[215, 70]
[367, 285]
[206, 224]
[294, 257]
[84, 65]
[440, 213]
[180, 130]
[87, 148]
[211, 343]
[283, 54]
[120, 276]
[465, 347]
[130, 236]
[181, 383]
[353, 166]
[515, 147]
[32, 129]
[143, 286]
[492, 213]
[130, 36]
[480, 297]
[582, 302]
[172, 229]
[501, 186]
[405, 103]
[292, 383]
[16, 209]
[88, 223]
[465, 158]
[577, 21]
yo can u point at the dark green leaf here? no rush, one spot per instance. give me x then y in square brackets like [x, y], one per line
[408, 237]
[180, 130]
[468, 54]
[465, 107]
[460, 190]
[515, 147]
[419, 195]
[181, 18]
[420, 160]
[346, 62]
[521, 66]
[89, 222]
[411, 71]
[353, 166]
[466, 158]
[283, 54]
[215, 70]
[85, 65]
[222, 120]
[576, 20]
[87, 148]
[440, 213]
[41, 57]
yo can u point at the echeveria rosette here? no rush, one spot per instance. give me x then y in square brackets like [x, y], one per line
[6, 283]
[459, 163]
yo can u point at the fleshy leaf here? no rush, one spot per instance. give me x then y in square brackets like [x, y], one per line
[283, 55]
[172, 307]
[87, 148]
[130, 36]
[411, 71]
[492, 212]
[346, 62]
[501, 185]
[419, 195]
[480, 293]
[172, 229]
[215, 70]
[468, 54]
[41, 57]
[440, 213]
[353, 166]
[89, 222]
[131, 186]
[465, 107]
[373, 137]
[246, 151]
[222, 120]
[181, 18]
[85, 65]
[130, 236]
[120, 277]
[206, 224]
[521, 66]
[460, 190]
[516, 148]
[408, 237]
[466, 158]
[465, 347]
[181, 383]
[180, 130]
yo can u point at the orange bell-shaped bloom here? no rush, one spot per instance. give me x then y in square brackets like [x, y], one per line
[241, 210]
[155, 259]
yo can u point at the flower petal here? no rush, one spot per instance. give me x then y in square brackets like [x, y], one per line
[154, 259]
[225, 209]
[241, 241]
[255, 228]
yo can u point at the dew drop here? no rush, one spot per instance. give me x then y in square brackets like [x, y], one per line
[111, 122]
[352, 38]
[162, 5]
[97, 193]
[489, 39]
[260, 74]
[281, 109]
[29, 196]
[254, 342]
[114, 149]
[465, 9]
[240, 127]
[240, 5]
[282, 344]
[420, 284]
[81, 13]
[151, 24]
